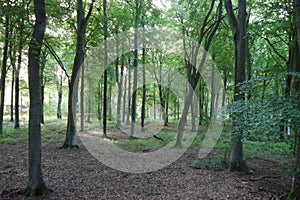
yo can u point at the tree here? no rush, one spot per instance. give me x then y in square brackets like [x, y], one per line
[3, 70]
[295, 190]
[105, 68]
[205, 33]
[138, 7]
[238, 28]
[70, 139]
[36, 185]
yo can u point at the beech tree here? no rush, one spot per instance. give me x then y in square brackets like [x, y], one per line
[82, 20]
[205, 34]
[238, 28]
[295, 190]
[36, 185]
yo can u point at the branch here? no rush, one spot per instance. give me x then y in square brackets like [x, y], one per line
[202, 31]
[56, 57]
[231, 17]
[273, 47]
[89, 12]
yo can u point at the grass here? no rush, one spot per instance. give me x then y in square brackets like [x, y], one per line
[13, 136]
[146, 145]
[54, 130]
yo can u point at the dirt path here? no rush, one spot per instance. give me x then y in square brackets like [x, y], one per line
[75, 174]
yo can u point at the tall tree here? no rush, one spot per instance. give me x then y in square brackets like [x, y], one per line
[3, 70]
[138, 7]
[17, 74]
[205, 34]
[82, 20]
[105, 26]
[36, 185]
[295, 190]
[238, 27]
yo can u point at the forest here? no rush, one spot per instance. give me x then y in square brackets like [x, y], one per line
[150, 99]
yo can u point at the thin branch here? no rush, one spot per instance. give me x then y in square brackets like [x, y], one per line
[231, 17]
[56, 57]
[89, 12]
[273, 47]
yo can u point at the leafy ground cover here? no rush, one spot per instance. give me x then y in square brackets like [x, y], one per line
[76, 174]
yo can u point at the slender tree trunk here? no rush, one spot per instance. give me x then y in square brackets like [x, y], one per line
[212, 97]
[43, 82]
[82, 99]
[17, 75]
[224, 95]
[194, 76]
[124, 96]
[161, 93]
[36, 185]
[105, 25]
[71, 140]
[143, 111]
[59, 92]
[129, 93]
[13, 64]
[3, 71]
[120, 90]
[135, 69]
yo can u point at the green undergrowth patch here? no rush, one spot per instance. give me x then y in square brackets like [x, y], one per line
[11, 135]
[147, 144]
[52, 131]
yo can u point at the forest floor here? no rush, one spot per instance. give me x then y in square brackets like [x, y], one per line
[76, 174]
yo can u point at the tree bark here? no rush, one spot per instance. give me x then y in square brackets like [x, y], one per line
[70, 139]
[13, 64]
[295, 190]
[238, 28]
[82, 99]
[36, 185]
[194, 76]
[135, 69]
[59, 92]
[143, 111]
[105, 25]
[3, 71]
[17, 76]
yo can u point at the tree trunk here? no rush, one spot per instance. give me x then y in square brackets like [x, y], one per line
[129, 93]
[143, 111]
[3, 71]
[82, 99]
[194, 73]
[43, 82]
[238, 28]
[105, 26]
[212, 96]
[124, 96]
[59, 92]
[295, 190]
[17, 76]
[120, 90]
[71, 140]
[13, 64]
[135, 69]
[36, 185]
